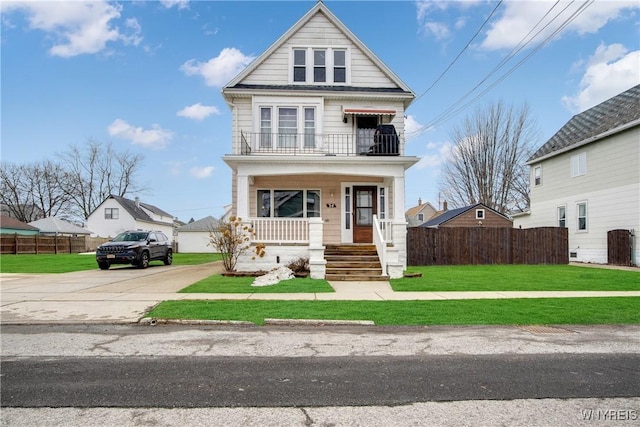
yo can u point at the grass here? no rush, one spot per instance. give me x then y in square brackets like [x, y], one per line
[517, 278]
[240, 285]
[65, 263]
[538, 311]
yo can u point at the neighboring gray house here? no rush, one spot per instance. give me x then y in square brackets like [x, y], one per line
[53, 226]
[117, 214]
[587, 177]
[195, 236]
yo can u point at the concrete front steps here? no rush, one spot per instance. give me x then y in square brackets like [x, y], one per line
[355, 262]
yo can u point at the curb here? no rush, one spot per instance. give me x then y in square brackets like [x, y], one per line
[318, 322]
[149, 321]
[153, 321]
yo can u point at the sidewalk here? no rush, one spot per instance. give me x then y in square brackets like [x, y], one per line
[124, 295]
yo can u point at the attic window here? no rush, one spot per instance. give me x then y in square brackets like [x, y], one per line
[319, 65]
[479, 213]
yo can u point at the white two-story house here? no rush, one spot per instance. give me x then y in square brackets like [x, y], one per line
[587, 178]
[317, 153]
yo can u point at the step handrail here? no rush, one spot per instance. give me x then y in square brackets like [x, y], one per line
[381, 244]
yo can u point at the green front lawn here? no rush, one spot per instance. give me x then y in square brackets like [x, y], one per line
[242, 285]
[517, 278]
[65, 263]
[538, 311]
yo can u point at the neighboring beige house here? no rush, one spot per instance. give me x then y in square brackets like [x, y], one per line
[195, 237]
[587, 178]
[418, 215]
[308, 170]
[117, 214]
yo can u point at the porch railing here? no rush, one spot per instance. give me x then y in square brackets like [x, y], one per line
[280, 230]
[380, 242]
[361, 144]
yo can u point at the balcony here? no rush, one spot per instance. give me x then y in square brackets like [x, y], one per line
[366, 142]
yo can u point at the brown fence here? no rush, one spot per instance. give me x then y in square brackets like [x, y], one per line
[19, 244]
[476, 245]
[619, 247]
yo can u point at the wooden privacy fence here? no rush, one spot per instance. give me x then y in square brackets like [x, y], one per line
[619, 247]
[477, 245]
[19, 244]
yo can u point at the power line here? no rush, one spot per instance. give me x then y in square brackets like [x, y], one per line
[455, 108]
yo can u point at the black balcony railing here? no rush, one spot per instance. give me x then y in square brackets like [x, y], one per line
[366, 142]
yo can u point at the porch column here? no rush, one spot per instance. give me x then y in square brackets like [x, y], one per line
[399, 230]
[398, 198]
[243, 197]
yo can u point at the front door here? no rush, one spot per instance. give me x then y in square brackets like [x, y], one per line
[364, 207]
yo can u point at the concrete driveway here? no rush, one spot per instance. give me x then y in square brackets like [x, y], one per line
[118, 295]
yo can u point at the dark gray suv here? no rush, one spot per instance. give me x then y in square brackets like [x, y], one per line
[136, 247]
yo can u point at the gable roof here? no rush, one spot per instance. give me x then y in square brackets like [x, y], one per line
[57, 225]
[448, 215]
[136, 212]
[417, 209]
[207, 223]
[609, 117]
[319, 8]
[12, 223]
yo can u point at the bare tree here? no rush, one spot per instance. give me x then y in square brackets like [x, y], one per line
[33, 191]
[97, 171]
[487, 163]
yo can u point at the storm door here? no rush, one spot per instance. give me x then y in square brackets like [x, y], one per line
[364, 207]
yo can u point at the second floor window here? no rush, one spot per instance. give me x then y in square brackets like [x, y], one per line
[111, 213]
[578, 164]
[537, 175]
[287, 127]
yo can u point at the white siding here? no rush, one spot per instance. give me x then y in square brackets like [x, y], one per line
[611, 189]
[110, 227]
[194, 242]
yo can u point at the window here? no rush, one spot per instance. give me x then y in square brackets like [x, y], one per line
[319, 65]
[339, 66]
[287, 127]
[309, 127]
[537, 175]
[111, 213]
[562, 216]
[582, 216]
[578, 164]
[421, 217]
[299, 65]
[265, 127]
[288, 203]
[382, 214]
[479, 213]
[347, 208]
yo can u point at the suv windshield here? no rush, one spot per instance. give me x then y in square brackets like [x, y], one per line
[131, 237]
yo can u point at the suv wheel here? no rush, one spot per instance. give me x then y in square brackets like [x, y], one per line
[144, 260]
[168, 259]
[103, 265]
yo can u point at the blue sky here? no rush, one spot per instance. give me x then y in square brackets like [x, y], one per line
[146, 76]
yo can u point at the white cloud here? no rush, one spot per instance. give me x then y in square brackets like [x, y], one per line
[155, 138]
[198, 111]
[77, 27]
[519, 17]
[440, 30]
[219, 70]
[437, 154]
[201, 171]
[180, 4]
[610, 70]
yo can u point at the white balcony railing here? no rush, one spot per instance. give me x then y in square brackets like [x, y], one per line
[280, 230]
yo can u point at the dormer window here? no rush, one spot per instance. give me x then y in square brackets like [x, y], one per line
[319, 65]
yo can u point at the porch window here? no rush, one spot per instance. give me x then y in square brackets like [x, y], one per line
[309, 127]
[382, 213]
[347, 208]
[265, 127]
[288, 203]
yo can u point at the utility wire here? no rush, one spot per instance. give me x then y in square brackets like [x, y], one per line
[455, 108]
[461, 52]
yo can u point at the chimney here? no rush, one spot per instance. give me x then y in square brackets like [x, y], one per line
[419, 200]
[444, 206]
[137, 202]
